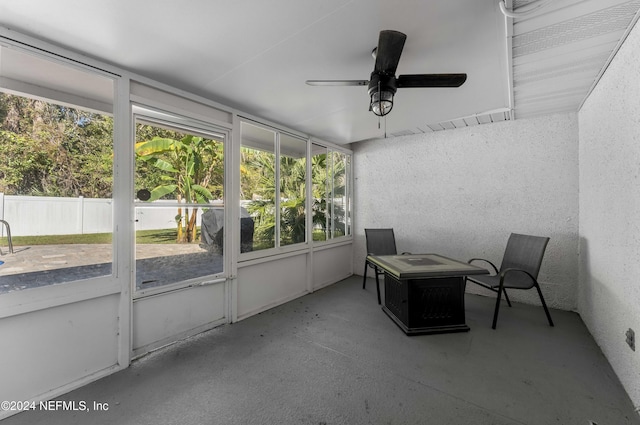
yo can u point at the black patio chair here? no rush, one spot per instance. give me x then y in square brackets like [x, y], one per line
[379, 242]
[519, 270]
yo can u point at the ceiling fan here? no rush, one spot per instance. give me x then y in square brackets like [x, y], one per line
[383, 83]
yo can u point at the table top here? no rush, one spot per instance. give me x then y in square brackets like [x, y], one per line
[424, 266]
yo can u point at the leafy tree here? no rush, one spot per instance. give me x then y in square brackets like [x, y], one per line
[188, 166]
[24, 164]
[53, 150]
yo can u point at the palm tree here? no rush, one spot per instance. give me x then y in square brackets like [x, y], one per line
[292, 196]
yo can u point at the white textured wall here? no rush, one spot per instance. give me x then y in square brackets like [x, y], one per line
[462, 192]
[609, 296]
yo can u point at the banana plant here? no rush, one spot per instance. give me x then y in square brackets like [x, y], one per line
[187, 167]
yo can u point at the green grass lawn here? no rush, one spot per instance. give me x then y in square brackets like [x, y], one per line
[165, 236]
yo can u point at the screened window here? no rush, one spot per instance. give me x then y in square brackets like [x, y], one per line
[179, 186]
[56, 172]
[273, 172]
[293, 173]
[331, 176]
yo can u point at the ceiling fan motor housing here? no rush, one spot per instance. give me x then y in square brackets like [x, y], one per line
[382, 82]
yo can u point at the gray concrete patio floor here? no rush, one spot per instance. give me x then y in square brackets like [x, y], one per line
[334, 358]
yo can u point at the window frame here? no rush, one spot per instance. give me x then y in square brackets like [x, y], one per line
[86, 101]
[151, 115]
[330, 193]
[309, 242]
[278, 248]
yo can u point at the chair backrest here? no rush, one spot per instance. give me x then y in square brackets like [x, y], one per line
[524, 252]
[380, 242]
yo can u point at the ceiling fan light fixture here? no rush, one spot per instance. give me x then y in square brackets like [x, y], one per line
[381, 102]
[382, 88]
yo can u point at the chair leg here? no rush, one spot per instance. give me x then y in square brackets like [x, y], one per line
[495, 313]
[378, 286]
[544, 304]
[506, 297]
[364, 278]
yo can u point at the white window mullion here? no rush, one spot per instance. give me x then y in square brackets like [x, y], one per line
[123, 216]
[308, 204]
[333, 197]
[277, 194]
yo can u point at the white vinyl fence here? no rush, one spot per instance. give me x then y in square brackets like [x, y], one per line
[44, 215]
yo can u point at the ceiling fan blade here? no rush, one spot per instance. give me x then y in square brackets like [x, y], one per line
[337, 82]
[390, 45]
[431, 80]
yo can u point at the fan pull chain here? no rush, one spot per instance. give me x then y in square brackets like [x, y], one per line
[379, 104]
[385, 126]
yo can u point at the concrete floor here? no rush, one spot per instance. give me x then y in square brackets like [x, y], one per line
[333, 357]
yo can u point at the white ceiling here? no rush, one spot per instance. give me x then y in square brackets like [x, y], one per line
[255, 55]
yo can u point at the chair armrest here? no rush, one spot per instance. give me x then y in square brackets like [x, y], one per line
[504, 272]
[495, 269]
